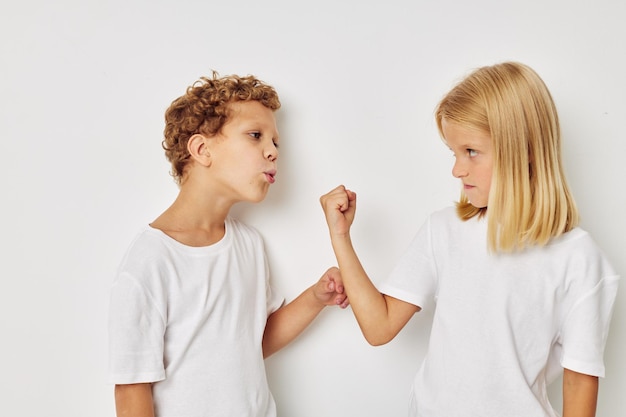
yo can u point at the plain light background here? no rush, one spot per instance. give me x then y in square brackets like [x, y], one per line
[83, 89]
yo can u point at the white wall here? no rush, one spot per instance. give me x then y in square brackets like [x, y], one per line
[83, 88]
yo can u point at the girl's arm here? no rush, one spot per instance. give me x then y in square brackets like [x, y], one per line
[580, 394]
[286, 323]
[380, 317]
[134, 400]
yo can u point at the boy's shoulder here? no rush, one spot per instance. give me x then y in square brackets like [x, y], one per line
[239, 228]
[148, 244]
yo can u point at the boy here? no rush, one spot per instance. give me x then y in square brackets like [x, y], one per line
[192, 313]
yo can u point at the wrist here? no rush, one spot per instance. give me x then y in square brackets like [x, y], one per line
[341, 240]
[340, 235]
[315, 300]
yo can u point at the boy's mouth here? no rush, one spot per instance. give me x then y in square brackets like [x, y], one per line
[270, 176]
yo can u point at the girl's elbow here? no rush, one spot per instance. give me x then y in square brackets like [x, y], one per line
[377, 338]
[376, 342]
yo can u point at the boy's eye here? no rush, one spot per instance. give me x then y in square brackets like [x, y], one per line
[275, 144]
[256, 135]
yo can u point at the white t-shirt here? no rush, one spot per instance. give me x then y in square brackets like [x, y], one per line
[504, 325]
[191, 320]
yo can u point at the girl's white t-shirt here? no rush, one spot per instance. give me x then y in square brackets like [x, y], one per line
[504, 325]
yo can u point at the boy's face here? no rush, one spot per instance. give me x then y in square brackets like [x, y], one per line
[473, 160]
[244, 153]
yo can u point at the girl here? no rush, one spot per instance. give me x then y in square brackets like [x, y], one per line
[519, 292]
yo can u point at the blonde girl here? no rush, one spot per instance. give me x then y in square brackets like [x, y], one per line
[520, 292]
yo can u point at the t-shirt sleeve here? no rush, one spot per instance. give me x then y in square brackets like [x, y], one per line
[586, 328]
[274, 300]
[136, 334]
[414, 278]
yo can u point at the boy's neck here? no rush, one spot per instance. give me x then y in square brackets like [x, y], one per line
[192, 221]
[194, 237]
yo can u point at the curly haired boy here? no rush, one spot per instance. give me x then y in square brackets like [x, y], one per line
[192, 312]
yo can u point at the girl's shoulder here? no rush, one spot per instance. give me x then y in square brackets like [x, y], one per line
[581, 252]
[576, 239]
[446, 221]
[444, 215]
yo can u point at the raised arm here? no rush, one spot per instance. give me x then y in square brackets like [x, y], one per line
[380, 317]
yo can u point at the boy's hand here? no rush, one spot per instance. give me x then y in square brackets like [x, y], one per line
[339, 207]
[329, 289]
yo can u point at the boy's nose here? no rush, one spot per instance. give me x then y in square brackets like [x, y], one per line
[272, 153]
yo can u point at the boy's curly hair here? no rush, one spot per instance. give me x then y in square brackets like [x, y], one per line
[205, 108]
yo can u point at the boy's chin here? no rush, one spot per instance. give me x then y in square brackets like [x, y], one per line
[256, 199]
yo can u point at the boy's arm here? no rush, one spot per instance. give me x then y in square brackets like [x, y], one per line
[286, 323]
[134, 400]
[580, 394]
[380, 317]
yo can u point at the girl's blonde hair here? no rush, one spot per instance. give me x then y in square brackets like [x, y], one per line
[529, 201]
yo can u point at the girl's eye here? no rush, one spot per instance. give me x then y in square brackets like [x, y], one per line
[471, 153]
[275, 144]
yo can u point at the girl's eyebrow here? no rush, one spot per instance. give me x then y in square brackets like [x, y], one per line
[466, 145]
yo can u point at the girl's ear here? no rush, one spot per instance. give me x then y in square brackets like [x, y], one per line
[198, 148]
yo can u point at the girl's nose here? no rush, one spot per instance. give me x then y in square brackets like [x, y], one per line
[458, 170]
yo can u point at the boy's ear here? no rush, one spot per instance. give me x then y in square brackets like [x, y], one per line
[198, 148]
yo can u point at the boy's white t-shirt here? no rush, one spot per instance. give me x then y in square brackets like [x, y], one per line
[504, 325]
[191, 320]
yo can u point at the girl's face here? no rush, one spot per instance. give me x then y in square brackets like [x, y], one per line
[473, 160]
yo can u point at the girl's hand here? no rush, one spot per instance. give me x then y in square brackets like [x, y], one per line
[339, 206]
